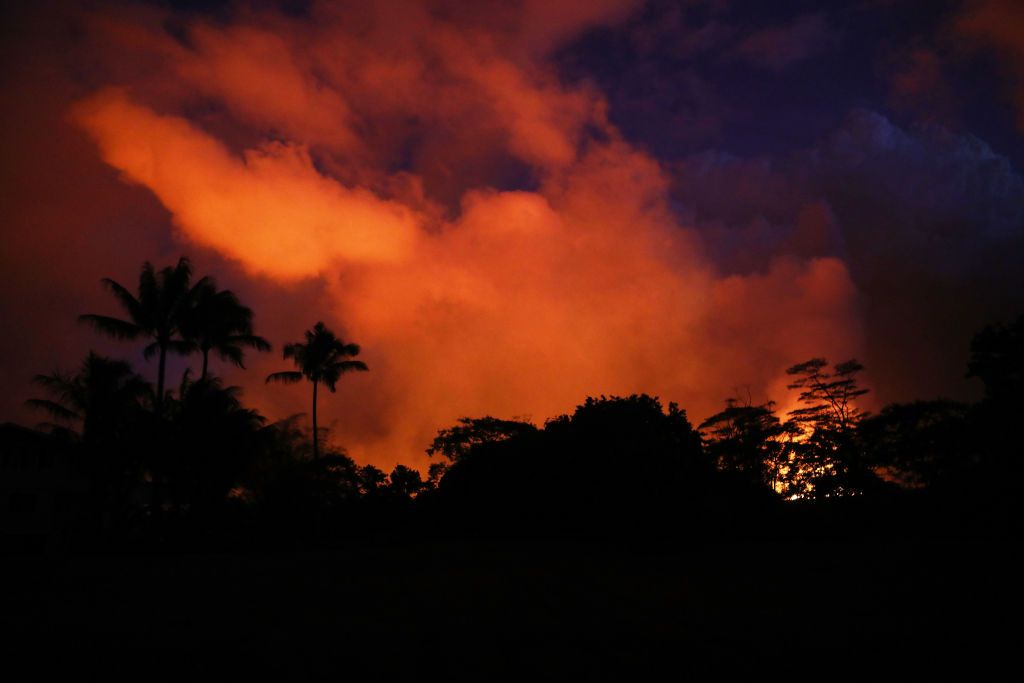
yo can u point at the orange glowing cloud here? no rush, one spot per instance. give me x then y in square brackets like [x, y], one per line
[288, 219]
[258, 74]
[467, 296]
[529, 302]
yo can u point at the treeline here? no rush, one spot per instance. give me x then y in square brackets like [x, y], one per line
[151, 462]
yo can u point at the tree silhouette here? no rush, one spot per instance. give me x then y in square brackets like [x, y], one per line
[283, 477]
[214, 438]
[157, 313]
[405, 482]
[748, 439]
[101, 396]
[103, 400]
[217, 321]
[615, 463]
[372, 480]
[828, 420]
[922, 444]
[997, 359]
[829, 397]
[322, 359]
[456, 442]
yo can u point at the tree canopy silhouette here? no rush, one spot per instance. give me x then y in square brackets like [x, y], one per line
[827, 462]
[620, 465]
[214, 441]
[997, 359]
[456, 442]
[322, 359]
[829, 397]
[614, 463]
[102, 396]
[748, 439]
[922, 443]
[101, 408]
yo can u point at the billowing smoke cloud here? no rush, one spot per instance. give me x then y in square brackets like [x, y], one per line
[271, 208]
[480, 227]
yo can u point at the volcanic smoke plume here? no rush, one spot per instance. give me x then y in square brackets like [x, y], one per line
[482, 230]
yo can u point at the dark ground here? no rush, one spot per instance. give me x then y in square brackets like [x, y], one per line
[553, 611]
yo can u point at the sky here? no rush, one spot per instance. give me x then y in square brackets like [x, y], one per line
[512, 206]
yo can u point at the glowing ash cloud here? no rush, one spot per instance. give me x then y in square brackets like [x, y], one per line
[484, 233]
[271, 209]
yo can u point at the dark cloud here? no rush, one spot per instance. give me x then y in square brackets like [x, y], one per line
[918, 86]
[998, 25]
[930, 223]
[778, 47]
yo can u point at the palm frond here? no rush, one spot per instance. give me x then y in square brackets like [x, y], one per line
[124, 297]
[351, 365]
[115, 327]
[149, 289]
[286, 377]
[95, 364]
[57, 381]
[252, 341]
[150, 350]
[204, 286]
[53, 408]
[348, 349]
[183, 267]
[186, 382]
[230, 353]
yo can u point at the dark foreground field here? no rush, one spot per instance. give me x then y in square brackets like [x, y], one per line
[565, 611]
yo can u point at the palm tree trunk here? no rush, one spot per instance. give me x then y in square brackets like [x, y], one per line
[157, 489]
[206, 360]
[160, 380]
[316, 435]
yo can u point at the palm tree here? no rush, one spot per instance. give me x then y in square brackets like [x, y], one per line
[217, 321]
[101, 396]
[323, 358]
[215, 439]
[102, 406]
[157, 313]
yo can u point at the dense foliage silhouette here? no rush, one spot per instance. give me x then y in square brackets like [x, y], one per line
[751, 441]
[195, 457]
[826, 458]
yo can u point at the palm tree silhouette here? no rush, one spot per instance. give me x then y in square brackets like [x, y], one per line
[323, 358]
[157, 313]
[217, 321]
[100, 396]
[102, 406]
